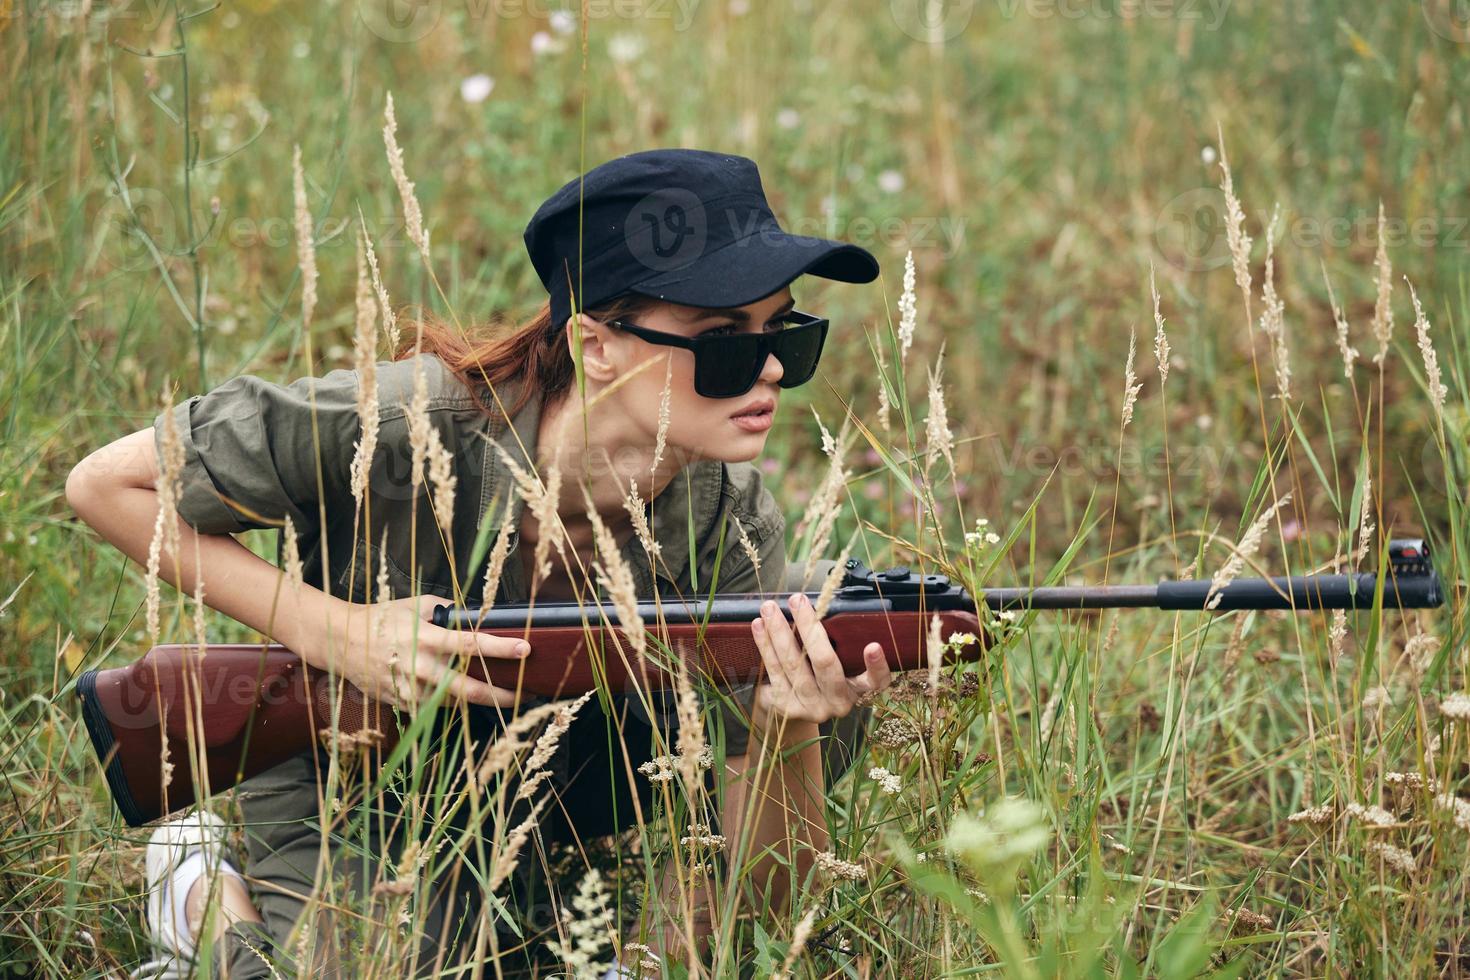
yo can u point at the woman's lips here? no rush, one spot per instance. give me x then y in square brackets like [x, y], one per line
[754, 422]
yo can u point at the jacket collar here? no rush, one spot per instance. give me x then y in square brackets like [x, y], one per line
[689, 502]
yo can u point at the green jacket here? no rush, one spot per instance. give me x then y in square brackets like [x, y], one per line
[250, 460]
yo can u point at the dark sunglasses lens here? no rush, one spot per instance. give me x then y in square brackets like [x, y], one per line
[798, 349]
[729, 366]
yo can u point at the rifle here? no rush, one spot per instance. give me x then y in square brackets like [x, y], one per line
[251, 707]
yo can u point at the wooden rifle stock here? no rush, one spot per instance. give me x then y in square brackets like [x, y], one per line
[247, 708]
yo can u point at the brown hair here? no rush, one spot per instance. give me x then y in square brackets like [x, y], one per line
[484, 355]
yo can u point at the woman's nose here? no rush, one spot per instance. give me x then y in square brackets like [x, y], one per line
[772, 370]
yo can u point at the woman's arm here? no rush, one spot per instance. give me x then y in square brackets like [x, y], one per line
[114, 491]
[774, 813]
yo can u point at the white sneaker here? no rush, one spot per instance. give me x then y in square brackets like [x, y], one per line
[195, 845]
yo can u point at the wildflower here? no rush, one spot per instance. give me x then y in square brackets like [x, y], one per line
[1273, 322]
[1131, 387]
[543, 43]
[1337, 634]
[442, 479]
[699, 836]
[1420, 651]
[799, 937]
[305, 247]
[1365, 518]
[1456, 707]
[625, 48]
[1235, 236]
[907, 309]
[1383, 305]
[633, 504]
[659, 769]
[413, 216]
[788, 118]
[1373, 816]
[1161, 342]
[1375, 698]
[476, 88]
[499, 552]
[1459, 809]
[1247, 922]
[936, 426]
[385, 308]
[365, 362]
[550, 738]
[1316, 816]
[1404, 780]
[1393, 856]
[615, 575]
[957, 640]
[588, 930]
[1344, 348]
[562, 21]
[830, 582]
[838, 868]
[1437, 389]
[166, 524]
[936, 654]
[664, 414]
[890, 182]
[887, 781]
[895, 733]
[884, 406]
[1247, 547]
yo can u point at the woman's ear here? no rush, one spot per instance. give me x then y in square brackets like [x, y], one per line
[597, 361]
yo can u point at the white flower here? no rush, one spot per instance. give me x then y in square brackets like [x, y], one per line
[788, 118]
[739, 8]
[624, 48]
[476, 88]
[543, 43]
[1456, 707]
[890, 182]
[958, 640]
[1207, 155]
[562, 21]
[887, 781]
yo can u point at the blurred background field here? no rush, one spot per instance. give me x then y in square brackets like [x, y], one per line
[1037, 157]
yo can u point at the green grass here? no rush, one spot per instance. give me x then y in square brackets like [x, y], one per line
[1073, 147]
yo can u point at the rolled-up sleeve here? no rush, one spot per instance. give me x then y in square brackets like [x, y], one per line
[251, 451]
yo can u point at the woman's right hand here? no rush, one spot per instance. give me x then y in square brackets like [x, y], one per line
[392, 651]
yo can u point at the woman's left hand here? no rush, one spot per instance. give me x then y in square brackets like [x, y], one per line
[804, 679]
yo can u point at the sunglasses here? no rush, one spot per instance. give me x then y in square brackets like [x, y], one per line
[728, 365]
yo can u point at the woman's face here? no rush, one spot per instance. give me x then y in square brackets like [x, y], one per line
[728, 429]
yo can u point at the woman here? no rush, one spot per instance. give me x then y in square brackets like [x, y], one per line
[671, 257]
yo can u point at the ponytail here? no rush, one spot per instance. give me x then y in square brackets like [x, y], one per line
[535, 352]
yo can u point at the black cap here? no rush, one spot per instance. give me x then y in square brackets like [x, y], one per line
[685, 226]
